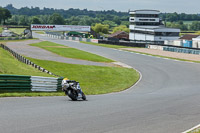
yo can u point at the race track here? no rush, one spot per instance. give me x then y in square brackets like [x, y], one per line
[166, 100]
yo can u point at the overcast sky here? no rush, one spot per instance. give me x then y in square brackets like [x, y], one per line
[180, 6]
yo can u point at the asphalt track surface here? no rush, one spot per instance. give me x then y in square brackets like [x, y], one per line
[166, 100]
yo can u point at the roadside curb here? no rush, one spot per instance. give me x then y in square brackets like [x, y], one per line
[122, 64]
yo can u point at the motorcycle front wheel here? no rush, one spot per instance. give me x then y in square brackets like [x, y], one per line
[83, 96]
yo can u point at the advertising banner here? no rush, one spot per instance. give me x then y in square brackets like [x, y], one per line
[60, 27]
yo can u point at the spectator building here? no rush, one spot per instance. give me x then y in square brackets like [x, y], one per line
[146, 25]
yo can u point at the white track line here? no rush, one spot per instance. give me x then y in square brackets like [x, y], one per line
[198, 126]
[158, 57]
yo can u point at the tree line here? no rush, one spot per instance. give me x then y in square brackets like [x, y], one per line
[105, 19]
[34, 11]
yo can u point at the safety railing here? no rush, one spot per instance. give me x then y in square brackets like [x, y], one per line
[16, 83]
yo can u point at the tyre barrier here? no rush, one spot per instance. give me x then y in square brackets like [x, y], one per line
[26, 61]
[181, 50]
[19, 83]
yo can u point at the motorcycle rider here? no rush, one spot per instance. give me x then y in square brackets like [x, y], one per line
[66, 83]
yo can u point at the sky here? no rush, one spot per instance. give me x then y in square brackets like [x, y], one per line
[169, 6]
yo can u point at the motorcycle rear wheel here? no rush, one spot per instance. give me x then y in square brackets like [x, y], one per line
[72, 96]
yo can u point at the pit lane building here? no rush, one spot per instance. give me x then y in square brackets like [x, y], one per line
[146, 25]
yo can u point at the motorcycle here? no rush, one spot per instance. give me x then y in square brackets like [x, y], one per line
[73, 90]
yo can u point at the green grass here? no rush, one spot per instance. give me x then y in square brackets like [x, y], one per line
[195, 131]
[185, 32]
[93, 79]
[106, 45]
[70, 52]
[1, 29]
[188, 22]
[10, 65]
[40, 32]
[17, 30]
[31, 94]
[184, 22]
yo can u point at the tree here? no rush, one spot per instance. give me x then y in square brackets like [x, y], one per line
[179, 25]
[121, 28]
[24, 20]
[195, 26]
[100, 28]
[125, 23]
[4, 15]
[116, 20]
[110, 23]
[56, 19]
[35, 20]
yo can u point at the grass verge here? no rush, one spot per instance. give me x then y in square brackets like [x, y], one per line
[17, 30]
[31, 94]
[10, 65]
[40, 32]
[195, 131]
[70, 52]
[93, 79]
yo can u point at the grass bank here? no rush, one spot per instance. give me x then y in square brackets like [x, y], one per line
[10, 65]
[70, 52]
[93, 79]
[195, 131]
[17, 30]
[40, 32]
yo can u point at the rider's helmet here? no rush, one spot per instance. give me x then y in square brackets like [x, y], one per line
[65, 84]
[65, 79]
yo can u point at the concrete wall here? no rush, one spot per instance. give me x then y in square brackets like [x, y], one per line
[143, 37]
[162, 38]
[196, 44]
[155, 47]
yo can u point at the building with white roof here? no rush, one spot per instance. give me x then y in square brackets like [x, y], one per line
[146, 25]
[196, 42]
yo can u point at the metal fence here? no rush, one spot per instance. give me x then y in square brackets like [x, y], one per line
[121, 43]
[26, 61]
[15, 38]
[45, 83]
[16, 83]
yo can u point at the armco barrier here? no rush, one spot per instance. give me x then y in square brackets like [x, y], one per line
[45, 83]
[26, 61]
[15, 38]
[16, 83]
